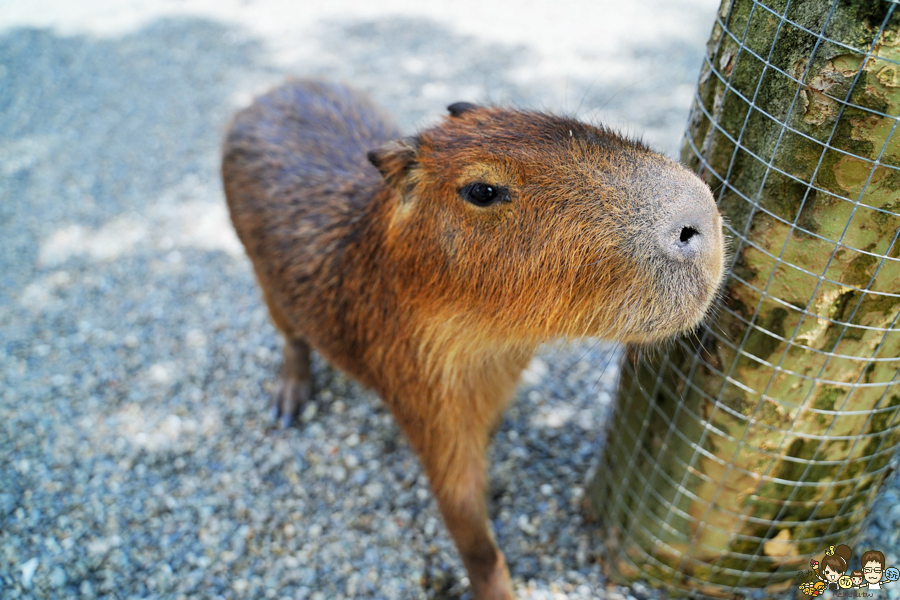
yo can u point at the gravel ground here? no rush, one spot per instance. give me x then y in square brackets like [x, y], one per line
[136, 455]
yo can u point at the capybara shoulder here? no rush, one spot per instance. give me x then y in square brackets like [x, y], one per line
[304, 143]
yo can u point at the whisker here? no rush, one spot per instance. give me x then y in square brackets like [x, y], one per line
[633, 314]
[583, 96]
[611, 98]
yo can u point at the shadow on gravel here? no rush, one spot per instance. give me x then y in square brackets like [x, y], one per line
[92, 127]
[416, 67]
[420, 66]
[135, 360]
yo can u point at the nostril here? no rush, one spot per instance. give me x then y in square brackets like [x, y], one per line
[686, 234]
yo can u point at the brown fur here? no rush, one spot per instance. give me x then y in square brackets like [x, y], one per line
[439, 304]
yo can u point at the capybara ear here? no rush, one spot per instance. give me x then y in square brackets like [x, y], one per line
[459, 108]
[395, 159]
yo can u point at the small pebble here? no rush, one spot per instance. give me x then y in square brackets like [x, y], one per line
[28, 569]
[58, 577]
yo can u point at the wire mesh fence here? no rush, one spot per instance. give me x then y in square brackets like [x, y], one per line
[738, 453]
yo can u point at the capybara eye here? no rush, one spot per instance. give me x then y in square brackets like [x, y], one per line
[483, 194]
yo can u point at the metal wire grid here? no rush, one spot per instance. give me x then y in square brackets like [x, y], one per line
[634, 528]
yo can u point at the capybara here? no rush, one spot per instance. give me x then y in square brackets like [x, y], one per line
[431, 267]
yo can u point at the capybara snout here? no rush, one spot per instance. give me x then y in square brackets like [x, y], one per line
[431, 267]
[679, 238]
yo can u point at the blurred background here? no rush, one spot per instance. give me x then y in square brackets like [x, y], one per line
[136, 359]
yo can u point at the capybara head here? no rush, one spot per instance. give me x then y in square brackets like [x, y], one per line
[543, 226]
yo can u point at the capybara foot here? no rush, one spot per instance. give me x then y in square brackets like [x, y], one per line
[289, 400]
[493, 585]
[294, 389]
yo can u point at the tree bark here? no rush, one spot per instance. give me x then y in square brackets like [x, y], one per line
[737, 454]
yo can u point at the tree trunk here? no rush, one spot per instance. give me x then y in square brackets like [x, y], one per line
[736, 455]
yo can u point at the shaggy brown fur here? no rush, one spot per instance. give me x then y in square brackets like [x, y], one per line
[372, 249]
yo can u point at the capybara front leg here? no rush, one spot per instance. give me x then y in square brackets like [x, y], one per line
[454, 460]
